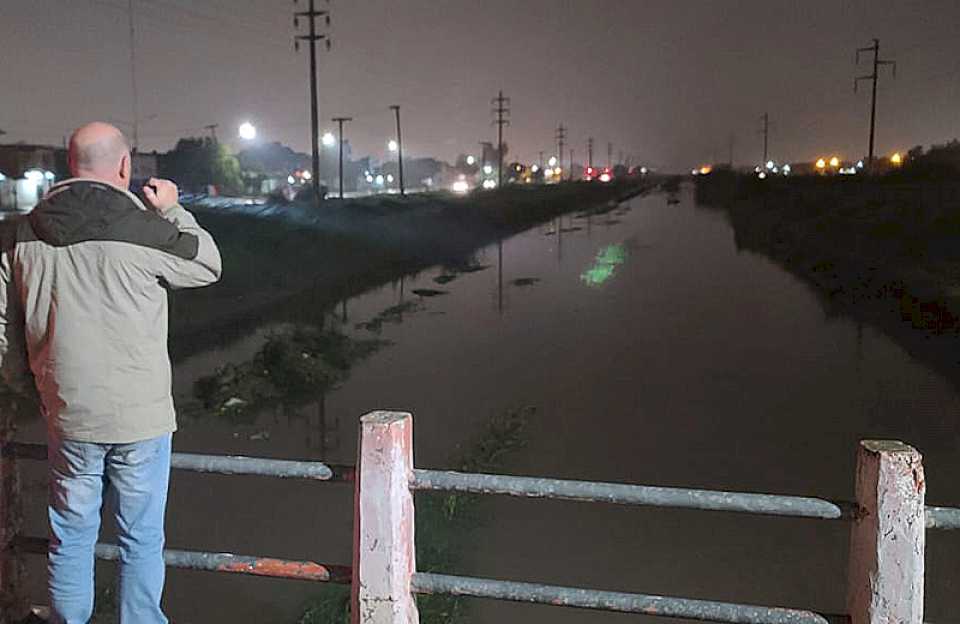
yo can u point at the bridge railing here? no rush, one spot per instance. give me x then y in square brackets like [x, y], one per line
[888, 527]
[885, 578]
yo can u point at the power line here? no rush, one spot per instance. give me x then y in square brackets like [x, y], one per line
[502, 111]
[396, 108]
[765, 131]
[877, 62]
[133, 79]
[340, 121]
[313, 38]
[561, 137]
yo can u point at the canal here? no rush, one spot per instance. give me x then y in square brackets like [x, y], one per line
[640, 346]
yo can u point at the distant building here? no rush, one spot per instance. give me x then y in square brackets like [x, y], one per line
[26, 172]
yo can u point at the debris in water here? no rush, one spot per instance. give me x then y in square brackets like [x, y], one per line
[525, 281]
[445, 278]
[429, 292]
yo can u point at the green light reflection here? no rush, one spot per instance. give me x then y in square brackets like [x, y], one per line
[605, 265]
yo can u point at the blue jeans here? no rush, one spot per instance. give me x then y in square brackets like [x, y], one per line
[135, 477]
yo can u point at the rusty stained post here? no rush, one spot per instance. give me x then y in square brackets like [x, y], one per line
[13, 600]
[885, 580]
[383, 554]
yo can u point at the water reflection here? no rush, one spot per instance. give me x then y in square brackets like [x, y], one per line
[605, 264]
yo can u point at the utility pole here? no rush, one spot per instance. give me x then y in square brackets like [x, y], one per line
[312, 14]
[765, 131]
[609, 155]
[561, 137]
[340, 121]
[590, 152]
[133, 80]
[213, 131]
[571, 164]
[877, 62]
[396, 108]
[731, 140]
[502, 110]
[541, 160]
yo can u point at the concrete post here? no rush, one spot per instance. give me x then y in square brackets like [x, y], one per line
[13, 601]
[383, 555]
[887, 541]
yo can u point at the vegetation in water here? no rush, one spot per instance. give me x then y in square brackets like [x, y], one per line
[446, 522]
[291, 366]
[393, 314]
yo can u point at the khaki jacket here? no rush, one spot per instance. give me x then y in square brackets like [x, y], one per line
[83, 295]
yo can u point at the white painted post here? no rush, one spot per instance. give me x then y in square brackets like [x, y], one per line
[384, 557]
[13, 600]
[886, 544]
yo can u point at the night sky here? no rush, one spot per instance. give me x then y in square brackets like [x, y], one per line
[669, 82]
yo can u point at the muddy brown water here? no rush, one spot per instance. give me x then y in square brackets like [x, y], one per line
[653, 352]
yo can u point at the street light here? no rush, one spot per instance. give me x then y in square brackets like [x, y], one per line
[471, 160]
[248, 131]
[328, 139]
[392, 145]
[896, 159]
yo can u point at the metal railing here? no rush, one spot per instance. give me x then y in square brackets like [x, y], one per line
[888, 523]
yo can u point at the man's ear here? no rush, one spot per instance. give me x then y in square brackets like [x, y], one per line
[125, 167]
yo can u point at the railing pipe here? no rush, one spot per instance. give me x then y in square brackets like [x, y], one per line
[220, 562]
[664, 606]
[624, 494]
[942, 517]
[222, 464]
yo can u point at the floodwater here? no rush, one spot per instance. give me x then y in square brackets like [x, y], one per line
[647, 349]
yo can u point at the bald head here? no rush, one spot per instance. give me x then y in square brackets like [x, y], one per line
[100, 151]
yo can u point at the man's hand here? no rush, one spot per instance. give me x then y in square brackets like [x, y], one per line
[165, 197]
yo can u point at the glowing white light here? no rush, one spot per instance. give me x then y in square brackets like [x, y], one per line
[534, 168]
[489, 184]
[460, 186]
[328, 139]
[775, 170]
[859, 164]
[389, 177]
[557, 171]
[763, 175]
[553, 161]
[695, 171]
[786, 170]
[248, 131]
[604, 177]
[306, 175]
[392, 145]
[290, 179]
[770, 164]
[48, 175]
[2, 177]
[471, 160]
[379, 179]
[488, 169]
[369, 178]
[643, 170]
[34, 175]
[757, 169]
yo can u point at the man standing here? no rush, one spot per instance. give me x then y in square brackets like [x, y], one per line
[86, 278]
